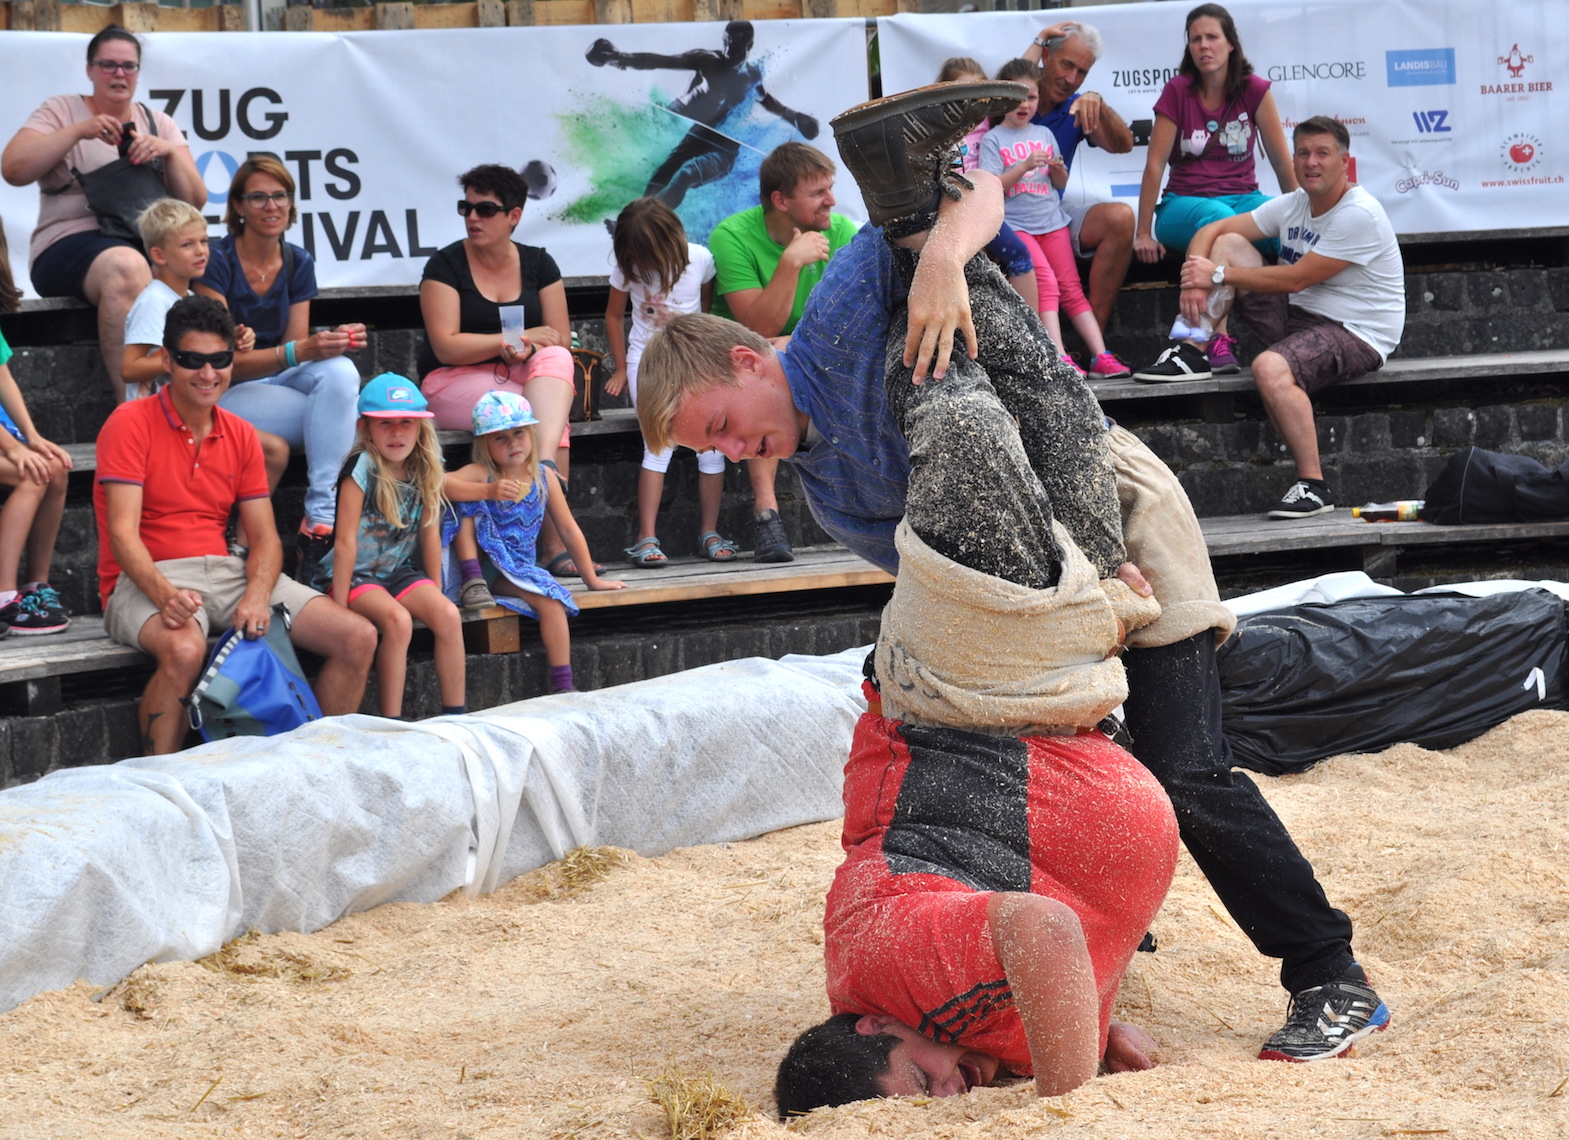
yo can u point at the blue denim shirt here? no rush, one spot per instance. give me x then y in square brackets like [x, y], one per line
[857, 475]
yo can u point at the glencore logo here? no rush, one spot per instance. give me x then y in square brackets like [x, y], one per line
[1426, 178]
[1521, 152]
[1322, 69]
[1515, 61]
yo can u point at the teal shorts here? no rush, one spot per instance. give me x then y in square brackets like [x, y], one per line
[1178, 218]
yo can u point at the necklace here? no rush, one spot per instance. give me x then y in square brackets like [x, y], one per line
[260, 271]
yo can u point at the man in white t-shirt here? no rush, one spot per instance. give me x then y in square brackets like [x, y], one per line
[1333, 308]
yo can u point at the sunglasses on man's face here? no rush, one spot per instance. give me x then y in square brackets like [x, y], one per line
[483, 209]
[195, 361]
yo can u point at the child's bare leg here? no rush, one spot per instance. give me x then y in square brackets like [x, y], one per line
[1053, 325]
[710, 492]
[440, 616]
[16, 522]
[553, 630]
[1089, 330]
[394, 624]
[1024, 285]
[650, 486]
[46, 526]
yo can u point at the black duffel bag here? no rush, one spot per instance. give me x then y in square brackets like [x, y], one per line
[1312, 681]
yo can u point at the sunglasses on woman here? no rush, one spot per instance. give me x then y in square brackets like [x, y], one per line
[193, 361]
[483, 209]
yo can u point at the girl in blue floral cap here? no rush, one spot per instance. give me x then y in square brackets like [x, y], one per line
[499, 502]
[389, 501]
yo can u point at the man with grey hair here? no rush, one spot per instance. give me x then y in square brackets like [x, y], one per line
[1102, 231]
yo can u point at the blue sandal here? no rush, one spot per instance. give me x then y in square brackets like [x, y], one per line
[646, 553]
[716, 549]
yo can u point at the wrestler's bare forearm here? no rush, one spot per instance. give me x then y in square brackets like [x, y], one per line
[939, 301]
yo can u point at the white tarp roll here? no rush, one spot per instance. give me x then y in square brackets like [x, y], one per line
[165, 858]
[1449, 103]
[376, 126]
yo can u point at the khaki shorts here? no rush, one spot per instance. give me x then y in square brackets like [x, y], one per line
[220, 582]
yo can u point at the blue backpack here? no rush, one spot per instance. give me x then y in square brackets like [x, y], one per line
[253, 688]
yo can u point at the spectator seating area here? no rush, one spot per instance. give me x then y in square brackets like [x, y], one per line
[1484, 362]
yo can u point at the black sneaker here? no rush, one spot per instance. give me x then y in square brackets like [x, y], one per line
[1327, 1020]
[772, 544]
[310, 547]
[32, 613]
[896, 148]
[1182, 361]
[1303, 498]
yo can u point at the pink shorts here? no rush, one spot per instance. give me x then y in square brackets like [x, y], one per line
[453, 391]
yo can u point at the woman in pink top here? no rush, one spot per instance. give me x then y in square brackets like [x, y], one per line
[69, 256]
[1208, 122]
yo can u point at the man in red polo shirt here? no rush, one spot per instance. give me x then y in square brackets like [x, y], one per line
[170, 469]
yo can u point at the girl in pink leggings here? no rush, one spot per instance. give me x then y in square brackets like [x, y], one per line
[1025, 157]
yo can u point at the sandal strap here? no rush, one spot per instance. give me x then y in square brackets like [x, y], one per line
[712, 540]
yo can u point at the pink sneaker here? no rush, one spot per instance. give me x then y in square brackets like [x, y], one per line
[1106, 366]
[1222, 353]
[1073, 364]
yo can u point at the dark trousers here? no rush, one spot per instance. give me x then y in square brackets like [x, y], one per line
[1235, 837]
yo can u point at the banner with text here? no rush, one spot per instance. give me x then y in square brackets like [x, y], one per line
[1449, 103]
[376, 126]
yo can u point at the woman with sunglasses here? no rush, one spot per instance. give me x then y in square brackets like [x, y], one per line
[465, 354]
[69, 257]
[294, 383]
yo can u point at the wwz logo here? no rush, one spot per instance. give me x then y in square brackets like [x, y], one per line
[1432, 122]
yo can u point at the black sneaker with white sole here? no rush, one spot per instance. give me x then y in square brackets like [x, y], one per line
[1182, 361]
[1327, 1020]
[1304, 498]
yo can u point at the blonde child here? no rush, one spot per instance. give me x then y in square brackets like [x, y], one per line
[499, 502]
[1025, 156]
[388, 523]
[175, 235]
[36, 471]
[663, 275]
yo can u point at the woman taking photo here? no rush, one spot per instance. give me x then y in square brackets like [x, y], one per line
[69, 255]
[1208, 122]
[465, 354]
[294, 383]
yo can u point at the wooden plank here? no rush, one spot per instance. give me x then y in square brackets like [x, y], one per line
[716, 10]
[552, 13]
[138, 17]
[691, 579]
[520, 13]
[1479, 366]
[1254, 534]
[395, 17]
[491, 630]
[299, 19]
[770, 10]
[612, 11]
[490, 14]
[660, 12]
[449, 15]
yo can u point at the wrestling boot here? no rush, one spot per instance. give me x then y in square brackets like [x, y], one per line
[897, 148]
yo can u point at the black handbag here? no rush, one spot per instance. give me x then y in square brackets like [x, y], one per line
[120, 191]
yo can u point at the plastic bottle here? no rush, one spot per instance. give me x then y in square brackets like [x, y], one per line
[1215, 308]
[1401, 510]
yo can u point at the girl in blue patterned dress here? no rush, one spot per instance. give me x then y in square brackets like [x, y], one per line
[499, 502]
[389, 501]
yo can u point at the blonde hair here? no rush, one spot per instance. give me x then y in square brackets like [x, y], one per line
[686, 358]
[650, 245]
[423, 467]
[163, 220]
[481, 455]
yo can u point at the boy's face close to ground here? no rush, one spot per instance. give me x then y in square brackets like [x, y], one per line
[919, 1066]
[753, 419]
[184, 254]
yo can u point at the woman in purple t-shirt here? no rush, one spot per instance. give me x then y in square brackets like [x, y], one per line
[1208, 122]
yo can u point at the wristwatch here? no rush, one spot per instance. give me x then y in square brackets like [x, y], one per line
[1219, 275]
[1038, 42]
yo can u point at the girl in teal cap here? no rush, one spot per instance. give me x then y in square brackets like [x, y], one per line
[387, 534]
[499, 502]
